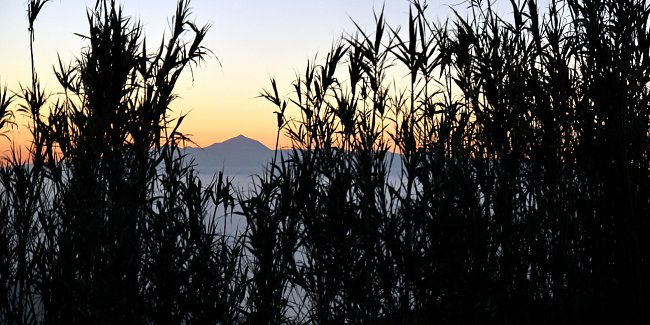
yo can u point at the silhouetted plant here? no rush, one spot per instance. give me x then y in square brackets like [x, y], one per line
[109, 222]
[520, 197]
[524, 175]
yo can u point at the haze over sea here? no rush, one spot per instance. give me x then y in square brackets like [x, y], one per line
[242, 159]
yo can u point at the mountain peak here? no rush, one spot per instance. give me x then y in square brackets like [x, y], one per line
[240, 142]
[240, 155]
[240, 137]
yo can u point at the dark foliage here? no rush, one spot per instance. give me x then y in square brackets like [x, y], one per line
[523, 190]
[519, 193]
[109, 223]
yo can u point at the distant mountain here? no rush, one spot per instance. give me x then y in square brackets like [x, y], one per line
[237, 156]
[242, 157]
[238, 145]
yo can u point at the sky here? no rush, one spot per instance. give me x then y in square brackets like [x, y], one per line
[252, 40]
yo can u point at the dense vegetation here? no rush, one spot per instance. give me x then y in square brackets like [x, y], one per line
[522, 194]
[108, 223]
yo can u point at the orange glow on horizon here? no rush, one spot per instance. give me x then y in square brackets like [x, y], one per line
[220, 96]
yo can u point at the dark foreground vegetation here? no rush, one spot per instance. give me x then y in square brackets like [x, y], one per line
[523, 194]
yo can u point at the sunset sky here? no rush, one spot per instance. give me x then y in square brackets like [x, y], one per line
[253, 40]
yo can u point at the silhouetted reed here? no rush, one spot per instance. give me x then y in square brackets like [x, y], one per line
[523, 186]
[504, 179]
[108, 222]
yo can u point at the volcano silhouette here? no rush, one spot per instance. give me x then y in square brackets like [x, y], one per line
[236, 156]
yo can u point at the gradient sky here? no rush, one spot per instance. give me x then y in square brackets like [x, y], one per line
[253, 39]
